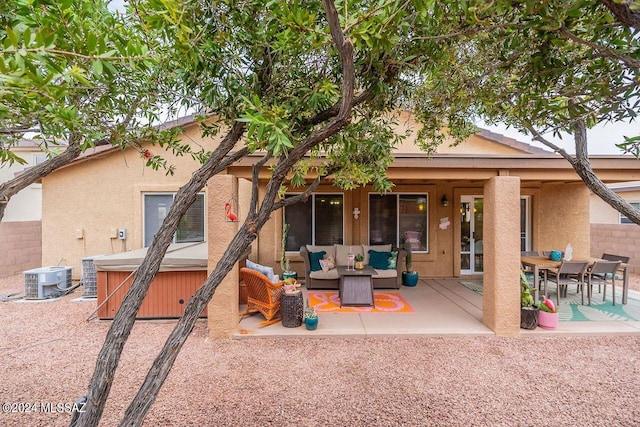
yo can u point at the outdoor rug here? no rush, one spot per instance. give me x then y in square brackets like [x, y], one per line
[571, 308]
[386, 302]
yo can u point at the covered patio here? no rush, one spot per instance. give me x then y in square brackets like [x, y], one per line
[441, 307]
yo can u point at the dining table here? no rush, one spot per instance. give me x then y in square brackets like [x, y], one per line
[542, 264]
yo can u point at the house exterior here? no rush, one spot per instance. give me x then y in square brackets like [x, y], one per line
[21, 228]
[472, 209]
[611, 231]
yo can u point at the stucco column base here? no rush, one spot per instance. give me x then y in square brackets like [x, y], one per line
[223, 308]
[501, 246]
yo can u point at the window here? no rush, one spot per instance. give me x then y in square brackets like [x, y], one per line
[399, 218]
[624, 219]
[318, 221]
[156, 208]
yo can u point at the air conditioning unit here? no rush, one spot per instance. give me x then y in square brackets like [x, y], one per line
[46, 282]
[89, 277]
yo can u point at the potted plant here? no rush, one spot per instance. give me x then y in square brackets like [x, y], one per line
[409, 277]
[528, 311]
[284, 261]
[359, 259]
[310, 317]
[548, 315]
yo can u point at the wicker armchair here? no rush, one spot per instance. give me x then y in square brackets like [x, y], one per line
[262, 295]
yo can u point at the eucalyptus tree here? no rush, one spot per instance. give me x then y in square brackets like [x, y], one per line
[543, 67]
[310, 86]
[73, 76]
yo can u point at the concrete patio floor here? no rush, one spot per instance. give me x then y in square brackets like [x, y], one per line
[441, 307]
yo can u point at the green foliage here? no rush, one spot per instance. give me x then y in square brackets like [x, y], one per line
[530, 65]
[526, 299]
[73, 66]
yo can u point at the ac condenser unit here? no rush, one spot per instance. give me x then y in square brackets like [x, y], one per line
[46, 282]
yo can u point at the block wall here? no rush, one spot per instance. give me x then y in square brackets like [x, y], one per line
[20, 246]
[618, 239]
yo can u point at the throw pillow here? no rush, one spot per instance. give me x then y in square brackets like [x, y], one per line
[267, 271]
[314, 260]
[379, 260]
[393, 259]
[328, 263]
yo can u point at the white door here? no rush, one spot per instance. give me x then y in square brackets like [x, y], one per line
[471, 252]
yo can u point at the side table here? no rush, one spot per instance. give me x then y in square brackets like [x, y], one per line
[292, 310]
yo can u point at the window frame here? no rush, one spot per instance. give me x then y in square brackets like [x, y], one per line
[312, 196]
[623, 219]
[398, 195]
[173, 195]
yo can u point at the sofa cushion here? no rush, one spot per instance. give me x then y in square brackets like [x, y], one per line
[314, 260]
[384, 274]
[342, 251]
[327, 275]
[379, 260]
[378, 248]
[330, 250]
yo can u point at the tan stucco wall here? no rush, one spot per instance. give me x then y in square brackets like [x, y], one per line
[562, 217]
[222, 318]
[602, 213]
[475, 144]
[501, 289]
[84, 205]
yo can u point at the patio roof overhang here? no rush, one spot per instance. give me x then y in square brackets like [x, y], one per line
[419, 168]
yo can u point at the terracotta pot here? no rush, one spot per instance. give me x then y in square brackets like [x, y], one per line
[547, 320]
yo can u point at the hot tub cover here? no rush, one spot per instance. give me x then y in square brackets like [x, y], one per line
[179, 257]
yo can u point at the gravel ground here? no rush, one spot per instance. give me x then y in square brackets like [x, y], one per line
[48, 352]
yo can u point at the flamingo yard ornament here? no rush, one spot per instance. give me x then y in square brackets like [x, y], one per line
[229, 214]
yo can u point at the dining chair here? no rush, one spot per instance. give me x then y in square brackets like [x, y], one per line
[568, 273]
[603, 273]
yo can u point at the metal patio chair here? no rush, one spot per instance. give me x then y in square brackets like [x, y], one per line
[568, 273]
[603, 273]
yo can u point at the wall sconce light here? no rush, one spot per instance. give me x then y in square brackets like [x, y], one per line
[356, 212]
[444, 201]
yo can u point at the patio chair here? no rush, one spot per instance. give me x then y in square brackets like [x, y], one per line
[262, 295]
[568, 273]
[528, 271]
[603, 273]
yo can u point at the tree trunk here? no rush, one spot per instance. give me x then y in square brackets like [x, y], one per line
[12, 187]
[162, 365]
[582, 166]
[109, 356]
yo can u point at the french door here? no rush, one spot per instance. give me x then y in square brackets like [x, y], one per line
[471, 252]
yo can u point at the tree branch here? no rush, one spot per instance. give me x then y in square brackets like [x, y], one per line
[623, 13]
[606, 52]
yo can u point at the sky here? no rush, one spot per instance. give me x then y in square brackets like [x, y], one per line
[601, 139]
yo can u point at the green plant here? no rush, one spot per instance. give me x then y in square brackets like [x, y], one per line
[309, 311]
[547, 305]
[284, 262]
[359, 257]
[526, 299]
[407, 247]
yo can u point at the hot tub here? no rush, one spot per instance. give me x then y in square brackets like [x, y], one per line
[182, 271]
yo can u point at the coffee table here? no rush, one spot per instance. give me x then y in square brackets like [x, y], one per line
[356, 286]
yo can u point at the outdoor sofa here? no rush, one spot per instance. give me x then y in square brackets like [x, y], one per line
[316, 278]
